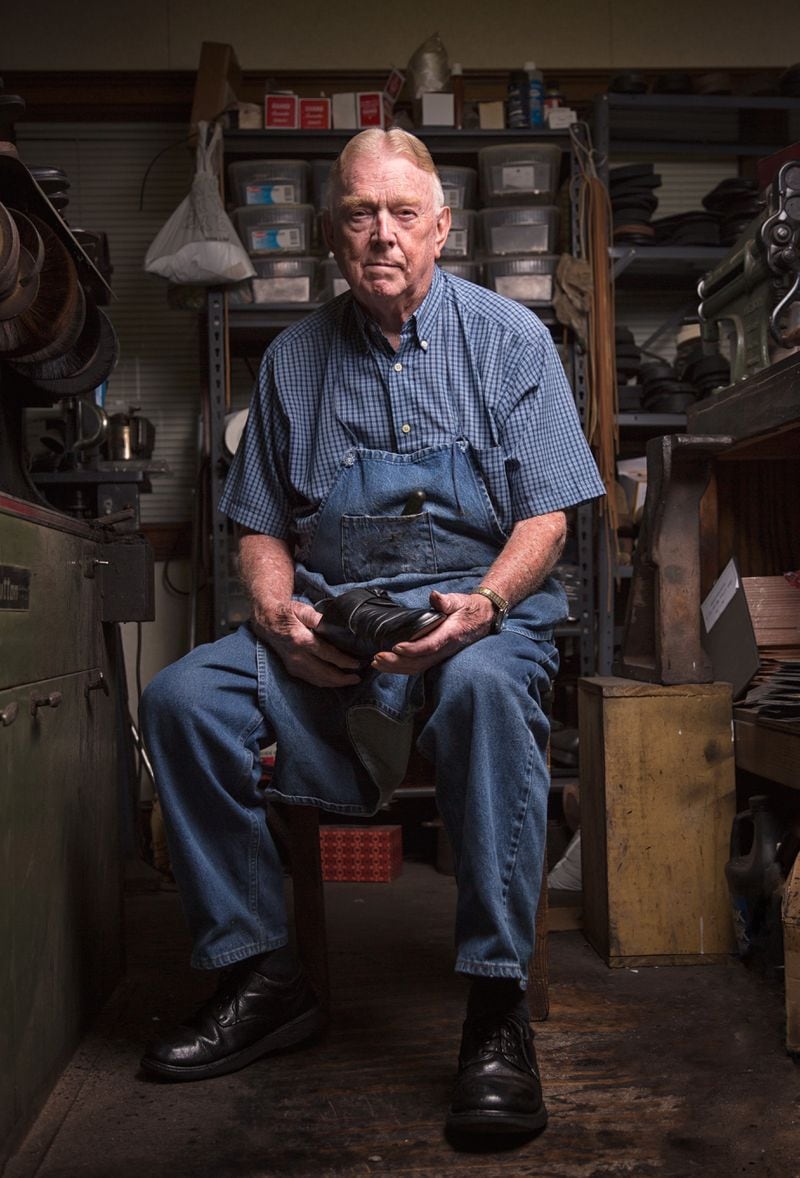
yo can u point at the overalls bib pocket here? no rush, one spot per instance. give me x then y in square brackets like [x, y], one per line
[377, 546]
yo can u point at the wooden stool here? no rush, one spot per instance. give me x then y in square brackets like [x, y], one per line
[297, 827]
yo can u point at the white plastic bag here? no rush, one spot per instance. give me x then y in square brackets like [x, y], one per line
[198, 244]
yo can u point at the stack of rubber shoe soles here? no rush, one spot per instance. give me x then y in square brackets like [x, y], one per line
[698, 227]
[735, 202]
[633, 202]
[663, 391]
[700, 366]
[51, 331]
[628, 360]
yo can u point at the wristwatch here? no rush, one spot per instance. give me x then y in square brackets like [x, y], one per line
[500, 605]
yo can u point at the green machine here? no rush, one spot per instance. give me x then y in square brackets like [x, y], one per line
[752, 290]
[65, 582]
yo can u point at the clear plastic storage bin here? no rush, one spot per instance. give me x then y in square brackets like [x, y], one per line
[526, 279]
[331, 280]
[269, 182]
[461, 238]
[519, 173]
[520, 229]
[275, 229]
[320, 170]
[460, 186]
[284, 280]
[472, 271]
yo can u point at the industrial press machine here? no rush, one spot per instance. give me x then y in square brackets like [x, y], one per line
[67, 577]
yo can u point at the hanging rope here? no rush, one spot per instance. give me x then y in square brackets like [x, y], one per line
[595, 235]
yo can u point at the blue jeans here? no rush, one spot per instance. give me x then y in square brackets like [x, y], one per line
[205, 717]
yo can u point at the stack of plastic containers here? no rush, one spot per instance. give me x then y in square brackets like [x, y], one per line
[275, 224]
[460, 187]
[519, 221]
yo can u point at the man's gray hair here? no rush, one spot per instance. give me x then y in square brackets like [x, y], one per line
[373, 143]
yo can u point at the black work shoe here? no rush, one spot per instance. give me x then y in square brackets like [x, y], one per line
[364, 621]
[248, 1016]
[498, 1088]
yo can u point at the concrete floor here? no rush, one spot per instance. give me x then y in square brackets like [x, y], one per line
[669, 1072]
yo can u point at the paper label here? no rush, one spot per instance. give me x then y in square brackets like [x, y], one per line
[518, 176]
[15, 587]
[526, 288]
[264, 240]
[519, 239]
[295, 289]
[452, 197]
[721, 595]
[270, 194]
[456, 244]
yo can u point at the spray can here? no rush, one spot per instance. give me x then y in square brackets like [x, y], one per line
[753, 873]
[517, 104]
[535, 95]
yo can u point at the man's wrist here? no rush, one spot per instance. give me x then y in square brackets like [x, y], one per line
[498, 602]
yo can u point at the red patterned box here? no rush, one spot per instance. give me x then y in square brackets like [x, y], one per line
[361, 854]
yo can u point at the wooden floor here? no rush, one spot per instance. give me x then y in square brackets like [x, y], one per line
[670, 1072]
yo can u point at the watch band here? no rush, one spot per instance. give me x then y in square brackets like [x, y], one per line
[500, 604]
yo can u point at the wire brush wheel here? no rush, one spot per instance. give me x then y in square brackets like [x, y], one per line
[85, 366]
[55, 318]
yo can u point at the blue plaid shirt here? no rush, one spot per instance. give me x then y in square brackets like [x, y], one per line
[470, 364]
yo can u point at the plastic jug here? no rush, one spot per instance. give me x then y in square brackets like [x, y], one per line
[753, 873]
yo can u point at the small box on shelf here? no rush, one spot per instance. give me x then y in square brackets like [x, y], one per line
[315, 114]
[436, 110]
[281, 111]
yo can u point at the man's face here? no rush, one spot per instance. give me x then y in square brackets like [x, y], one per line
[386, 234]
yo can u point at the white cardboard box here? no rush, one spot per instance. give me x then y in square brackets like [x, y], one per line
[343, 107]
[438, 110]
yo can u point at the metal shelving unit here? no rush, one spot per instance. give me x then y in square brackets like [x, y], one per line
[656, 126]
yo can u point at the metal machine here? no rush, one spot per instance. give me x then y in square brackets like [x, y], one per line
[65, 579]
[754, 287]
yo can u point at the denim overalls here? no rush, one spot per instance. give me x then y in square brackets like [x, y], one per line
[206, 716]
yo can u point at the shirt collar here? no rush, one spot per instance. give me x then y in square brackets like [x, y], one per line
[419, 325]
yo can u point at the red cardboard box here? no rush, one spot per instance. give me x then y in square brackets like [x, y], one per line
[281, 110]
[371, 112]
[315, 114]
[361, 854]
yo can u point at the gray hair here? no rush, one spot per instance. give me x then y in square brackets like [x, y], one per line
[373, 143]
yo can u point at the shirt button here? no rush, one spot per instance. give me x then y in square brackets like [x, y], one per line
[406, 428]
[398, 367]
[423, 343]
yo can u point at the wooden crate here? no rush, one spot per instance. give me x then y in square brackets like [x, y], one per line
[658, 796]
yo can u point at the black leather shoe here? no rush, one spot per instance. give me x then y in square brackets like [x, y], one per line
[498, 1088]
[248, 1016]
[364, 621]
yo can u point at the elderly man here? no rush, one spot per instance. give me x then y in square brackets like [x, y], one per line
[415, 437]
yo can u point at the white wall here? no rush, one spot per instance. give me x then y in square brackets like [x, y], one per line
[362, 34]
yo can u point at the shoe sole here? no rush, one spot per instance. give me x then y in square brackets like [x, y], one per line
[423, 627]
[288, 1035]
[480, 1122]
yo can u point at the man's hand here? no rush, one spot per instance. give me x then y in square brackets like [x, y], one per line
[289, 631]
[469, 617]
